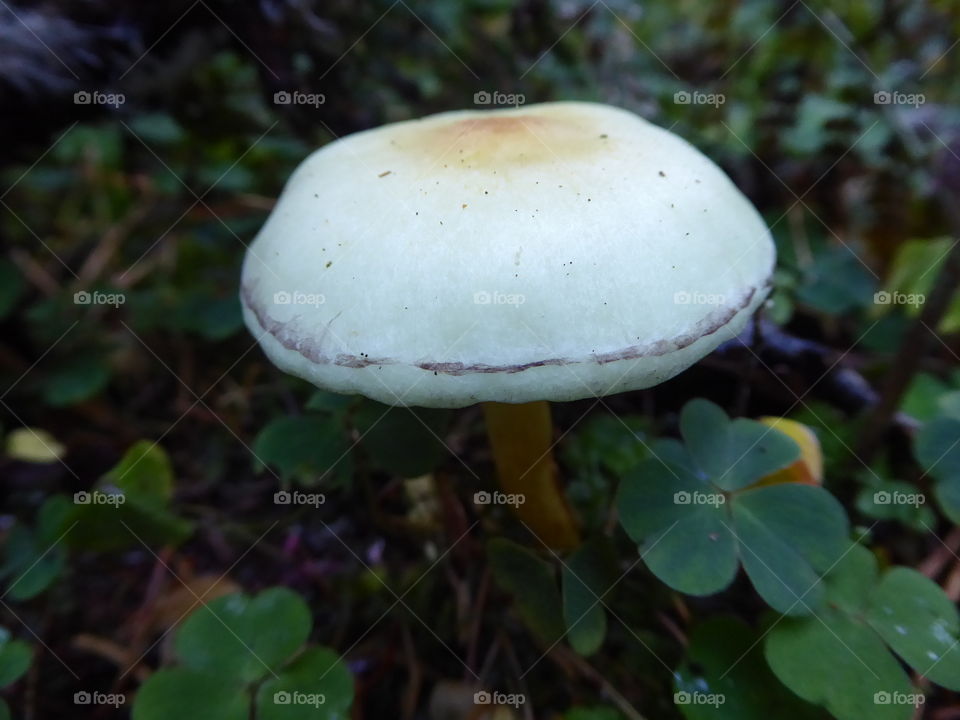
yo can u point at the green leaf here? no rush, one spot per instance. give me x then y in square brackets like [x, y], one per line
[532, 583]
[917, 619]
[900, 501]
[588, 575]
[245, 637]
[835, 658]
[15, 658]
[316, 685]
[837, 283]
[145, 471]
[329, 402]
[688, 546]
[308, 448]
[913, 271]
[79, 380]
[401, 440]
[733, 454]
[612, 442]
[691, 535]
[921, 397]
[31, 564]
[787, 535]
[130, 505]
[937, 447]
[182, 693]
[724, 659]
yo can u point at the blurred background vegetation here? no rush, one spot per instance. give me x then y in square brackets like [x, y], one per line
[840, 120]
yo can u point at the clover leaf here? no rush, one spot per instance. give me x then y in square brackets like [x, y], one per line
[239, 654]
[724, 665]
[839, 658]
[697, 513]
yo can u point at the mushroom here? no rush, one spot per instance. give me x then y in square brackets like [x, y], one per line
[508, 257]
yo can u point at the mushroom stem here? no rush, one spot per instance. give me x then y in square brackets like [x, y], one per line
[522, 440]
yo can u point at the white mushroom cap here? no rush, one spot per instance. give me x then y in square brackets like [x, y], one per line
[547, 252]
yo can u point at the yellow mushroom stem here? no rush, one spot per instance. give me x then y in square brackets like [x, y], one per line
[522, 440]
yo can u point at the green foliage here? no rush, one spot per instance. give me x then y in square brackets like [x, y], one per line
[532, 583]
[588, 577]
[838, 282]
[310, 449]
[696, 517]
[839, 658]
[937, 447]
[34, 556]
[15, 659]
[239, 655]
[405, 441]
[725, 660]
[129, 506]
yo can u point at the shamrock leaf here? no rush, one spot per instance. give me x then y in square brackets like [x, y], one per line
[733, 454]
[724, 660]
[241, 653]
[840, 659]
[693, 536]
